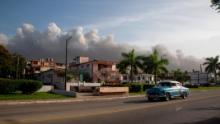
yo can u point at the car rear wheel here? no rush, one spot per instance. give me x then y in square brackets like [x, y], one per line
[150, 99]
[184, 95]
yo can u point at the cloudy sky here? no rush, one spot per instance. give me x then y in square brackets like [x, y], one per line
[185, 31]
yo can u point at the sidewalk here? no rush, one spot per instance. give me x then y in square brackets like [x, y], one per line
[81, 99]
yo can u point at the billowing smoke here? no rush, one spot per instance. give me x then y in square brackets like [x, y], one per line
[34, 44]
[179, 60]
[3, 39]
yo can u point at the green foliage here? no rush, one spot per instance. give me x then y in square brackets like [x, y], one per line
[8, 86]
[5, 62]
[72, 75]
[30, 86]
[147, 86]
[212, 65]
[34, 96]
[154, 64]
[11, 65]
[17, 66]
[25, 86]
[129, 62]
[138, 87]
[180, 76]
[135, 87]
[191, 86]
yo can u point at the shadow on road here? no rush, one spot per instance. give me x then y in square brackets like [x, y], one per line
[209, 108]
[141, 101]
[207, 121]
[137, 101]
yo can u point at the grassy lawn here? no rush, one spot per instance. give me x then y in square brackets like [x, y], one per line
[137, 93]
[206, 88]
[35, 96]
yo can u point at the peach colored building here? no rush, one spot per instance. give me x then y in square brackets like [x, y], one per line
[91, 69]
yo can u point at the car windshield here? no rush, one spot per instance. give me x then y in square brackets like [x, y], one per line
[165, 84]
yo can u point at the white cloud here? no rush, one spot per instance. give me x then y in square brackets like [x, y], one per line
[51, 43]
[3, 39]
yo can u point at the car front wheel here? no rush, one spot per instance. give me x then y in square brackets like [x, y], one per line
[167, 97]
[184, 95]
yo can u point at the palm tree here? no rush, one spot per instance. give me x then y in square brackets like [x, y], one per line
[212, 65]
[154, 64]
[130, 62]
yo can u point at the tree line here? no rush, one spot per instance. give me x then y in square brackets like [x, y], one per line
[155, 64]
[12, 65]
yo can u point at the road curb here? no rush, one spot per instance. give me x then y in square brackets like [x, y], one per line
[95, 98]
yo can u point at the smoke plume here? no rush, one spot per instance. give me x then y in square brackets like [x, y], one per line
[34, 44]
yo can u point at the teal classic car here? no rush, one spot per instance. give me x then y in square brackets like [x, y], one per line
[166, 90]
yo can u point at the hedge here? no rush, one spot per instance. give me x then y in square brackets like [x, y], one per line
[8, 86]
[29, 87]
[147, 86]
[138, 87]
[191, 86]
[25, 86]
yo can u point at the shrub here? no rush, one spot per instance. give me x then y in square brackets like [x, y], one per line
[147, 86]
[192, 86]
[8, 86]
[26, 86]
[138, 87]
[206, 85]
[29, 86]
[135, 87]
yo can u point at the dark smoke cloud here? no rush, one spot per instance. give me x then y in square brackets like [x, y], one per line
[51, 43]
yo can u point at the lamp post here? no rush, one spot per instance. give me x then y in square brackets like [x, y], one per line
[66, 63]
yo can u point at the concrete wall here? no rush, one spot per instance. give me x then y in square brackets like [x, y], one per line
[113, 90]
[46, 88]
[81, 84]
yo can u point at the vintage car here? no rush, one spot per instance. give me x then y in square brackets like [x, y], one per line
[166, 90]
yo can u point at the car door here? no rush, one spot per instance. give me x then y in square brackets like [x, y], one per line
[175, 89]
[179, 89]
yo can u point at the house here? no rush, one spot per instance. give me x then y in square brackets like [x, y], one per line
[52, 77]
[41, 65]
[94, 70]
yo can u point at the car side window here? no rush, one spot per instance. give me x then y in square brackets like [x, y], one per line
[173, 84]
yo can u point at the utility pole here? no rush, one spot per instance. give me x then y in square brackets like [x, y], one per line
[65, 79]
[17, 68]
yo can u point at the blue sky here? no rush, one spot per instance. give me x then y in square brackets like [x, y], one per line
[176, 24]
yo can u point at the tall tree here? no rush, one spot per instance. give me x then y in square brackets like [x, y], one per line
[154, 64]
[11, 65]
[216, 4]
[180, 76]
[18, 66]
[130, 62]
[212, 65]
[5, 62]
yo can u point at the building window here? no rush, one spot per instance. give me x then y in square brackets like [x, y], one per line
[139, 78]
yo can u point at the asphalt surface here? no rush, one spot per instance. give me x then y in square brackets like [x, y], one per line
[201, 107]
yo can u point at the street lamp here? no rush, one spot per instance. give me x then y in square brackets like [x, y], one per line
[66, 63]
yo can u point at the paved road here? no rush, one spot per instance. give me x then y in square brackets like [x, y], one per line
[202, 107]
